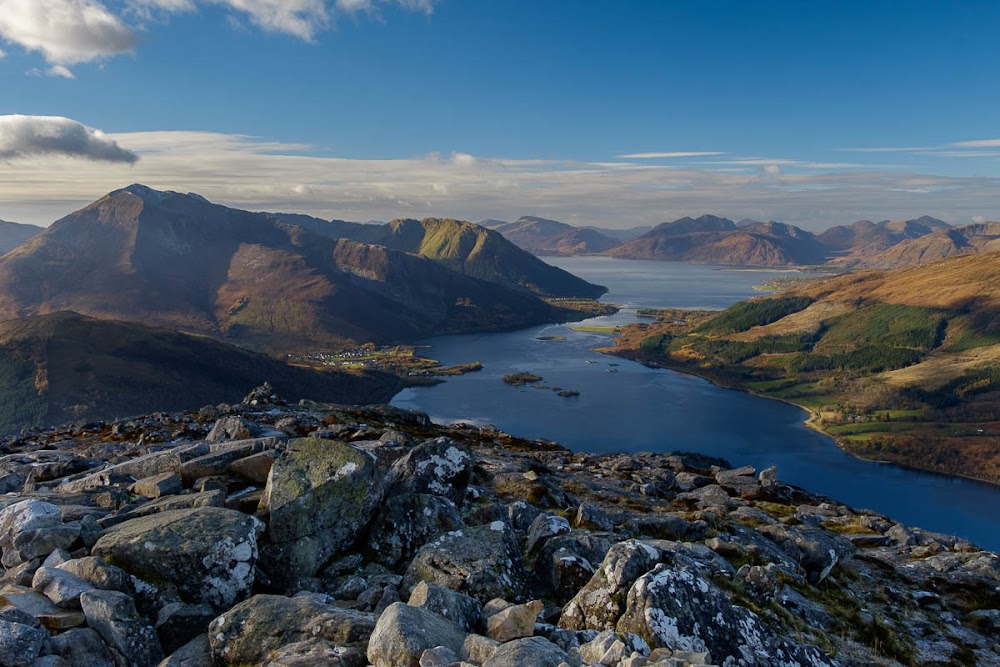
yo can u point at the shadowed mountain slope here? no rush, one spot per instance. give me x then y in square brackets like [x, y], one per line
[540, 236]
[13, 234]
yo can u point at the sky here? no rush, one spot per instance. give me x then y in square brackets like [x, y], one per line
[613, 114]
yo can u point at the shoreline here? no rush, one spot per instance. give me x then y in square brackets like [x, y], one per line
[810, 422]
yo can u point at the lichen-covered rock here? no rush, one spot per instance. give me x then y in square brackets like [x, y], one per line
[440, 467]
[196, 653]
[675, 608]
[82, 647]
[62, 587]
[601, 602]
[20, 644]
[409, 522]
[403, 633]
[32, 529]
[178, 623]
[460, 609]
[232, 427]
[171, 548]
[514, 622]
[544, 527]
[113, 616]
[315, 653]
[534, 651]
[320, 494]
[250, 631]
[815, 550]
[99, 573]
[481, 561]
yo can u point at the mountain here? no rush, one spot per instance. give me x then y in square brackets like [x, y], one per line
[854, 244]
[464, 247]
[939, 244]
[622, 235]
[13, 234]
[540, 236]
[64, 366]
[714, 240]
[899, 365]
[179, 261]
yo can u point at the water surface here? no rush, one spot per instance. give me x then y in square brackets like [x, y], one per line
[625, 406]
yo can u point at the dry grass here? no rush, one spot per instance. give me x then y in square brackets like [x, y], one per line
[941, 367]
[806, 321]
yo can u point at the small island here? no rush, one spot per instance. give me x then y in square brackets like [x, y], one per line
[521, 379]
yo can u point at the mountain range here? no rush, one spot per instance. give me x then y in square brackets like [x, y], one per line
[715, 240]
[277, 283]
[13, 234]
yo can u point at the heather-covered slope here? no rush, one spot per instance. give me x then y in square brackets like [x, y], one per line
[13, 234]
[540, 236]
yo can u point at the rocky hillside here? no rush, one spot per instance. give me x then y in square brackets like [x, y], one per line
[178, 261]
[464, 247]
[937, 245]
[62, 367]
[713, 240]
[857, 244]
[540, 236]
[263, 534]
[13, 234]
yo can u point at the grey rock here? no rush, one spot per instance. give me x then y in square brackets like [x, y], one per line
[62, 587]
[815, 550]
[403, 633]
[247, 633]
[178, 623]
[320, 495]
[20, 644]
[439, 656]
[113, 616]
[460, 609]
[82, 647]
[544, 527]
[255, 467]
[409, 522]
[171, 546]
[315, 653]
[39, 607]
[590, 517]
[481, 561]
[32, 529]
[99, 574]
[232, 428]
[438, 467]
[514, 622]
[534, 651]
[196, 653]
[163, 484]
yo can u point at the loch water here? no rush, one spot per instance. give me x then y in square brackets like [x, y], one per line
[625, 406]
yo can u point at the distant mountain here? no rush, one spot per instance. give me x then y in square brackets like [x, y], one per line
[63, 367]
[179, 261]
[622, 235]
[13, 234]
[939, 244]
[467, 248]
[853, 244]
[714, 240]
[540, 236]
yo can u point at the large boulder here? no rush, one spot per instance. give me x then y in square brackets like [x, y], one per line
[534, 651]
[207, 553]
[251, 630]
[600, 603]
[409, 522]
[20, 643]
[817, 551]
[320, 495]
[114, 617]
[460, 609]
[403, 633]
[677, 608]
[440, 467]
[483, 562]
[32, 529]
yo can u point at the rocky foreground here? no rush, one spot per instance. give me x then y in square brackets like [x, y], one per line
[266, 534]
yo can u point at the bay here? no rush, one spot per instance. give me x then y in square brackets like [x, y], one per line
[625, 406]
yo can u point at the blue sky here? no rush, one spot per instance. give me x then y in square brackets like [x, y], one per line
[471, 108]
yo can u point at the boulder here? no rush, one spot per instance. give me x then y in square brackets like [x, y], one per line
[99, 574]
[62, 587]
[409, 522]
[163, 484]
[113, 616]
[39, 607]
[178, 623]
[172, 548]
[599, 604]
[315, 653]
[514, 622]
[439, 467]
[543, 527]
[32, 529]
[320, 495]
[403, 633]
[460, 609]
[196, 653]
[815, 550]
[590, 517]
[677, 608]
[534, 651]
[247, 633]
[232, 428]
[82, 647]
[481, 561]
[20, 644]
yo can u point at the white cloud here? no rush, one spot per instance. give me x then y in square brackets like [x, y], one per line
[772, 171]
[979, 218]
[3, 54]
[60, 71]
[31, 136]
[979, 143]
[258, 174]
[644, 156]
[65, 31]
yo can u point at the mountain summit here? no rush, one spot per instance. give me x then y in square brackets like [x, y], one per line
[180, 261]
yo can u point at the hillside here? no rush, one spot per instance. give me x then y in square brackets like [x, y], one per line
[550, 237]
[13, 234]
[179, 261]
[713, 240]
[464, 247]
[939, 244]
[855, 245]
[65, 367]
[901, 365]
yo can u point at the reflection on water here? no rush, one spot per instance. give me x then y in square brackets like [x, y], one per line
[624, 406]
